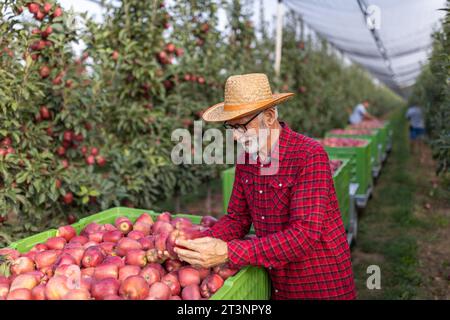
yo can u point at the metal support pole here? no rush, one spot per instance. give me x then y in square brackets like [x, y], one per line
[279, 38]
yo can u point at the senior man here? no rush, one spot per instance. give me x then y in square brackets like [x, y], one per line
[300, 237]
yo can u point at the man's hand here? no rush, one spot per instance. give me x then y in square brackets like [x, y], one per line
[205, 252]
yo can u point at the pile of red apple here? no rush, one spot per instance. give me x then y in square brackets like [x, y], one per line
[342, 142]
[369, 124]
[351, 131]
[334, 165]
[112, 262]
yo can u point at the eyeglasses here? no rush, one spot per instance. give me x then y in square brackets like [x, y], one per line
[241, 127]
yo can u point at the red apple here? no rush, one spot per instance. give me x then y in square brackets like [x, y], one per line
[136, 235]
[165, 216]
[118, 261]
[106, 287]
[67, 232]
[4, 290]
[115, 55]
[90, 244]
[208, 221]
[47, 7]
[45, 258]
[162, 226]
[145, 218]
[171, 280]
[224, 271]
[96, 236]
[143, 227]
[101, 161]
[79, 239]
[90, 160]
[159, 267]
[134, 288]
[181, 223]
[57, 12]
[68, 198]
[39, 247]
[44, 112]
[150, 274]
[112, 236]
[33, 7]
[175, 298]
[65, 259]
[188, 276]
[136, 257]
[128, 271]
[210, 285]
[56, 243]
[204, 272]
[191, 292]
[126, 244]
[92, 257]
[22, 265]
[90, 228]
[19, 294]
[159, 291]
[77, 294]
[106, 271]
[94, 151]
[38, 292]
[88, 272]
[113, 297]
[57, 287]
[147, 242]
[124, 224]
[173, 265]
[107, 248]
[152, 256]
[44, 71]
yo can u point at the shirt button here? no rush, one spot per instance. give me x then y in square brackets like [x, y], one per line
[246, 180]
[263, 217]
[262, 165]
[270, 268]
[260, 191]
[276, 290]
[280, 185]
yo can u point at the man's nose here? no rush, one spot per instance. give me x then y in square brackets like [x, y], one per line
[236, 135]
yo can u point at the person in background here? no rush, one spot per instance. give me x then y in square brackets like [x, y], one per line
[414, 115]
[360, 113]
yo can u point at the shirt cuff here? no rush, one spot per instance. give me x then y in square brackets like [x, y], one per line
[238, 253]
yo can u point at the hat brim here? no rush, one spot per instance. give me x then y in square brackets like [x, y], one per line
[217, 113]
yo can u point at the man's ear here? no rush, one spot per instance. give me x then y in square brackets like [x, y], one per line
[269, 117]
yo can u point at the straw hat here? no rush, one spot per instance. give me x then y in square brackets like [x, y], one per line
[244, 94]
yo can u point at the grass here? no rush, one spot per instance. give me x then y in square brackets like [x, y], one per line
[386, 228]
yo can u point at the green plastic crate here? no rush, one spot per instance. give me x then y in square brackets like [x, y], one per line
[385, 133]
[341, 179]
[376, 147]
[250, 283]
[360, 166]
[227, 186]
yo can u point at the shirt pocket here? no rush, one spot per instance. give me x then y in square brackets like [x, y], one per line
[280, 191]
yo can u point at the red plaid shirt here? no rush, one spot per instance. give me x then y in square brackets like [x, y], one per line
[300, 239]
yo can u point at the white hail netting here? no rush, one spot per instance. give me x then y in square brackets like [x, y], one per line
[405, 29]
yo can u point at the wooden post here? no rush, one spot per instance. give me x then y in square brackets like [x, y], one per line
[279, 38]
